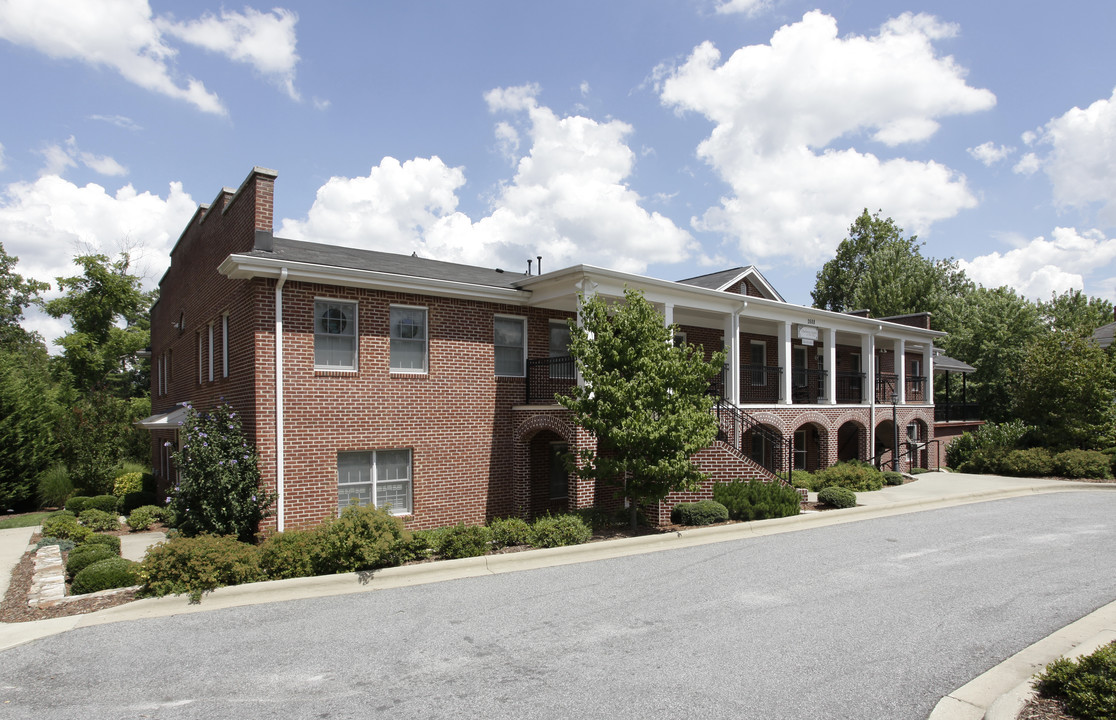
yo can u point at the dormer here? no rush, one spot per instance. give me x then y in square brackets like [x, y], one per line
[741, 280]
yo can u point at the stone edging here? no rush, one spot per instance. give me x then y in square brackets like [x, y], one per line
[48, 584]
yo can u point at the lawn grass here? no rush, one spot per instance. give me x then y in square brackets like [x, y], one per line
[19, 521]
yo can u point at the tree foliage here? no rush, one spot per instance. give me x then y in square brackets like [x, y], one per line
[16, 294]
[644, 399]
[1073, 311]
[28, 415]
[876, 268]
[1066, 387]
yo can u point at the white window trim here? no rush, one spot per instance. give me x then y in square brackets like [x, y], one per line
[374, 480]
[225, 345]
[805, 369]
[551, 323]
[210, 352]
[426, 342]
[356, 334]
[201, 358]
[762, 374]
[498, 316]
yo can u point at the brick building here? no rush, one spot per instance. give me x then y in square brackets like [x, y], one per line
[374, 377]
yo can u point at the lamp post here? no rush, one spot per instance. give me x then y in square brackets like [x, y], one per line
[895, 427]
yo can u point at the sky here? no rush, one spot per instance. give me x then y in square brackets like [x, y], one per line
[670, 138]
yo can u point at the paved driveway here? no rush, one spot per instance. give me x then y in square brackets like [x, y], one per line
[875, 619]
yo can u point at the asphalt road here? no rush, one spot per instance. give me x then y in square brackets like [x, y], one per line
[873, 619]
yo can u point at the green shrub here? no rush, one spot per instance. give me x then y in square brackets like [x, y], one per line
[196, 565]
[63, 524]
[1005, 436]
[133, 500]
[143, 517]
[854, 475]
[1082, 464]
[83, 556]
[757, 500]
[112, 542]
[803, 479]
[462, 541]
[919, 471]
[702, 512]
[54, 486]
[288, 554]
[127, 483]
[64, 544]
[1032, 462]
[985, 460]
[114, 572]
[836, 496]
[892, 478]
[363, 538]
[599, 518]
[509, 532]
[1087, 686]
[77, 503]
[99, 520]
[559, 531]
[105, 503]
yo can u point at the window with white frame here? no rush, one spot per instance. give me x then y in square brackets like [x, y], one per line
[408, 339]
[225, 345]
[210, 352]
[560, 348]
[758, 360]
[379, 477]
[800, 450]
[335, 325]
[201, 364]
[509, 338]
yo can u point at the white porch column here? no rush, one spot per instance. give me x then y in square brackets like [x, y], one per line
[785, 397]
[868, 368]
[928, 371]
[585, 289]
[668, 318]
[901, 370]
[831, 366]
[732, 347]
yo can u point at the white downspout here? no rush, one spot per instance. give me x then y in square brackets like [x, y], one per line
[279, 441]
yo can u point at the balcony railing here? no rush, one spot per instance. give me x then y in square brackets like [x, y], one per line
[952, 411]
[547, 377]
[886, 385]
[807, 386]
[850, 387]
[915, 388]
[760, 383]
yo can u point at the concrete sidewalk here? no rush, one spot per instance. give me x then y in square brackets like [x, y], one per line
[929, 491]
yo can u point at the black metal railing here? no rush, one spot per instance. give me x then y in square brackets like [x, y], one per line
[760, 383]
[915, 388]
[547, 377]
[887, 384]
[917, 454]
[735, 425]
[950, 411]
[807, 386]
[850, 387]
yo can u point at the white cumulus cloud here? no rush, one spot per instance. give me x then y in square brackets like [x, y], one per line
[747, 7]
[127, 37]
[60, 157]
[1041, 267]
[567, 201]
[1081, 160]
[780, 109]
[988, 154]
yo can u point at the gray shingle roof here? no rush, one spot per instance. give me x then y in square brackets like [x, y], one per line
[345, 257]
[713, 281]
[1104, 334]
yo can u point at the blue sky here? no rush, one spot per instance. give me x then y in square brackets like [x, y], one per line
[670, 138]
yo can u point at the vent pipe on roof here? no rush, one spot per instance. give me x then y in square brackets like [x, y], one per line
[529, 267]
[539, 258]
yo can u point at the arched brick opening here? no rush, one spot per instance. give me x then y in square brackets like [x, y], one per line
[811, 446]
[535, 484]
[852, 441]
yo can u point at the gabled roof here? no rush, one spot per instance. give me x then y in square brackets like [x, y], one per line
[1105, 334]
[724, 279]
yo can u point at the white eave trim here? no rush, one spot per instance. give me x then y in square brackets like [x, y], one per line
[170, 420]
[246, 267]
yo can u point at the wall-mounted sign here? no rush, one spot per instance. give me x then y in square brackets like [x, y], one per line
[807, 334]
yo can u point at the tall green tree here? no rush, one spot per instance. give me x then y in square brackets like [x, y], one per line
[1074, 311]
[16, 294]
[28, 418]
[644, 399]
[876, 268]
[1066, 387]
[991, 330]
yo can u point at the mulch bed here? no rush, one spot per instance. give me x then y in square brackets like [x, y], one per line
[1044, 709]
[14, 608]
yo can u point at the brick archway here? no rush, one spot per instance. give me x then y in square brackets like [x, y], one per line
[522, 458]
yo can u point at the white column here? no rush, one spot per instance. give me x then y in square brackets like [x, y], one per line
[732, 347]
[668, 319]
[928, 371]
[785, 397]
[901, 370]
[831, 366]
[585, 290]
[868, 368]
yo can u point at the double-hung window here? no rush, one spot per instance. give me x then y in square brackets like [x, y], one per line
[510, 342]
[561, 364]
[408, 339]
[335, 324]
[758, 357]
[380, 477]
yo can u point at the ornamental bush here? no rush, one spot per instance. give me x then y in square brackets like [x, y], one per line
[63, 544]
[99, 520]
[127, 483]
[77, 503]
[852, 474]
[757, 500]
[803, 479]
[509, 532]
[1086, 686]
[219, 488]
[363, 538]
[1032, 462]
[836, 496]
[112, 542]
[144, 517]
[54, 486]
[1082, 464]
[893, 478]
[104, 503]
[63, 524]
[133, 500]
[288, 554]
[702, 512]
[83, 556]
[1005, 436]
[462, 541]
[113, 572]
[198, 564]
[559, 531]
